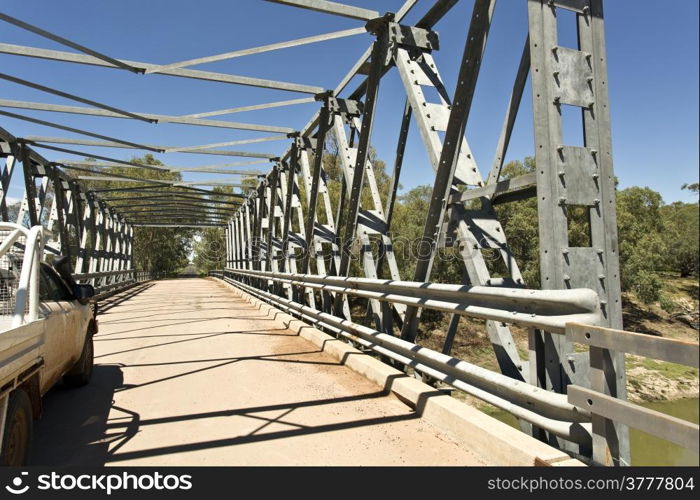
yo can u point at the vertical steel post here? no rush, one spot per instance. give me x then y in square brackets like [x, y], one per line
[574, 177]
[378, 62]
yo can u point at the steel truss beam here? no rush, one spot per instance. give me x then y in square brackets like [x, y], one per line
[57, 55]
[335, 8]
[119, 143]
[274, 231]
[49, 90]
[184, 190]
[174, 197]
[259, 50]
[68, 43]
[113, 143]
[182, 120]
[253, 107]
[178, 226]
[218, 168]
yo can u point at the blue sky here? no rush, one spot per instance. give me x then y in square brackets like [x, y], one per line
[652, 65]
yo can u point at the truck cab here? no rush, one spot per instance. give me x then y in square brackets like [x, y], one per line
[46, 328]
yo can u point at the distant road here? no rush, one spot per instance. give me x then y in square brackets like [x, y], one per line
[189, 272]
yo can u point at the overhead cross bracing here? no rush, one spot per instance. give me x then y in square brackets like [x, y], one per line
[293, 241]
[91, 171]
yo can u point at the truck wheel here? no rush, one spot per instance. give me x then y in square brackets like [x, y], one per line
[17, 436]
[81, 372]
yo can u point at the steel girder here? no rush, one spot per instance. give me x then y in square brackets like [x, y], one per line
[276, 230]
[84, 227]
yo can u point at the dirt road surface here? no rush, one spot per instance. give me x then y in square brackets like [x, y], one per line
[187, 373]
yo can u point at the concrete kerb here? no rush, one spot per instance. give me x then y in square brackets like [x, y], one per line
[496, 442]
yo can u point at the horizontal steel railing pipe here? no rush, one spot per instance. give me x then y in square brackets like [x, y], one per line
[480, 380]
[545, 309]
[100, 274]
[574, 431]
[131, 277]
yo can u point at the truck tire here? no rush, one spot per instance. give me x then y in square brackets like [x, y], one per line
[81, 372]
[17, 437]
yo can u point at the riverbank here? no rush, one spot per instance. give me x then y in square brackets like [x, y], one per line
[649, 380]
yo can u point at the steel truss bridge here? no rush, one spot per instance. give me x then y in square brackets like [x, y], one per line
[289, 244]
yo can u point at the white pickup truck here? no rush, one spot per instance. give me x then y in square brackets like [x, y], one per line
[46, 329]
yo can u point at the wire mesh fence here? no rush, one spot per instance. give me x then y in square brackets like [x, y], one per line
[10, 269]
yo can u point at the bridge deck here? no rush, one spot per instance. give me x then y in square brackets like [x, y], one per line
[187, 373]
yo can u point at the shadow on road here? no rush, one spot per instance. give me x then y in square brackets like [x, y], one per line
[74, 423]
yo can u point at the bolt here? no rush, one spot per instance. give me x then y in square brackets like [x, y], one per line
[554, 50]
[561, 173]
[599, 251]
[567, 277]
[595, 176]
[586, 9]
[601, 277]
[557, 100]
[555, 74]
[562, 201]
[596, 201]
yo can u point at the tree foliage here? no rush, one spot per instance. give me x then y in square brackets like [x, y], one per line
[209, 247]
[652, 236]
[681, 222]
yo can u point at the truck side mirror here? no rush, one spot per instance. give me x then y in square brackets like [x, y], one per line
[82, 293]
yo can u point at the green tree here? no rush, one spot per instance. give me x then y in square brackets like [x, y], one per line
[521, 225]
[209, 247]
[681, 224]
[694, 187]
[641, 241]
